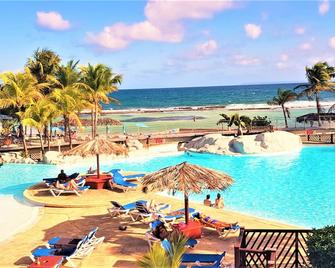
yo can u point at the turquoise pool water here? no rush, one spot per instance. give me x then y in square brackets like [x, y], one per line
[296, 188]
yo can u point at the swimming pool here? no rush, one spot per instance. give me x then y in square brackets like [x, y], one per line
[296, 188]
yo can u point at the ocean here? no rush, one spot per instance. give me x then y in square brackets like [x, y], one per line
[238, 97]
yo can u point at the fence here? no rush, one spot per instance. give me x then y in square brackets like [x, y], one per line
[269, 248]
[321, 138]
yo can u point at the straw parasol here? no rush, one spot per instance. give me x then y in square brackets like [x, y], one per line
[187, 178]
[87, 122]
[96, 147]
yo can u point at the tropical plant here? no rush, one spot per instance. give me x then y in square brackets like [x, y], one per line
[319, 79]
[166, 257]
[283, 96]
[100, 81]
[19, 91]
[260, 121]
[239, 121]
[37, 115]
[321, 247]
[43, 64]
[69, 96]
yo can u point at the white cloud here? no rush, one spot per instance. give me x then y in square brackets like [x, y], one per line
[252, 30]
[284, 57]
[240, 59]
[324, 7]
[163, 23]
[207, 48]
[281, 65]
[306, 46]
[52, 20]
[300, 30]
[332, 42]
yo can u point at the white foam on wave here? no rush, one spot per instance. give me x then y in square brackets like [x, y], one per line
[291, 105]
[15, 216]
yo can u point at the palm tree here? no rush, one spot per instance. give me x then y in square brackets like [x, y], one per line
[318, 79]
[224, 120]
[42, 64]
[69, 96]
[100, 81]
[283, 96]
[37, 115]
[19, 91]
[165, 257]
[241, 122]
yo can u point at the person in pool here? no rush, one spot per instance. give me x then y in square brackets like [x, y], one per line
[219, 201]
[207, 201]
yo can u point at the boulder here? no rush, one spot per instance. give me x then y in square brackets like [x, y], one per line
[53, 157]
[134, 145]
[264, 143]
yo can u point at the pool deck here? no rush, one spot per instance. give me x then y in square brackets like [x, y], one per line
[120, 248]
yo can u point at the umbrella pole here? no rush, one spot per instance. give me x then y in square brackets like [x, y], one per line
[186, 208]
[98, 167]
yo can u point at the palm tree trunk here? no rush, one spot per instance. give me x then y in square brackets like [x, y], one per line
[46, 133]
[284, 112]
[65, 125]
[318, 107]
[23, 136]
[41, 143]
[92, 123]
[239, 131]
[96, 119]
[50, 134]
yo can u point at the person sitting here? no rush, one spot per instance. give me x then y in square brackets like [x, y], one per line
[71, 185]
[152, 205]
[219, 201]
[207, 201]
[62, 177]
[91, 171]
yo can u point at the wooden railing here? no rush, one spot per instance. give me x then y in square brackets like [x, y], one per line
[269, 248]
[321, 138]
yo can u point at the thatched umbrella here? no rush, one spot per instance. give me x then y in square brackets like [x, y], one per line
[96, 147]
[186, 178]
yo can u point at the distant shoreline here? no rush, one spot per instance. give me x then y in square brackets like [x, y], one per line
[229, 107]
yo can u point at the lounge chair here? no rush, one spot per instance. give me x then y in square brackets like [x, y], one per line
[210, 260]
[223, 228]
[126, 177]
[90, 238]
[57, 191]
[151, 238]
[118, 182]
[118, 209]
[82, 250]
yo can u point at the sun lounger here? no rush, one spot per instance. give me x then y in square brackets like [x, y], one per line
[126, 177]
[57, 191]
[151, 238]
[223, 228]
[118, 209]
[118, 182]
[90, 238]
[208, 260]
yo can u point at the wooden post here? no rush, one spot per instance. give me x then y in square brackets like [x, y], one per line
[186, 207]
[237, 256]
[332, 138]
[271, 255]
[296, 249]
[98, 167]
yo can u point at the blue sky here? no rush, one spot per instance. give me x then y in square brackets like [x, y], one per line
[175, 43]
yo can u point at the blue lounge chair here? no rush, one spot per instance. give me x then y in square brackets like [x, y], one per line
[118, 182]
[119, 209]
[210, 260]
[126, 177]
[57, 191]
[151, 238]
[89, 238]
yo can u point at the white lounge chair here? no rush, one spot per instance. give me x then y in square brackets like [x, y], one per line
[58, 191]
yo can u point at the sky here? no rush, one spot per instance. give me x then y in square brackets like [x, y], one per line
[175, 43]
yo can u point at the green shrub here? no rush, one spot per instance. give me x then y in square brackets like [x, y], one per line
[260, 121]
[321, 247]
